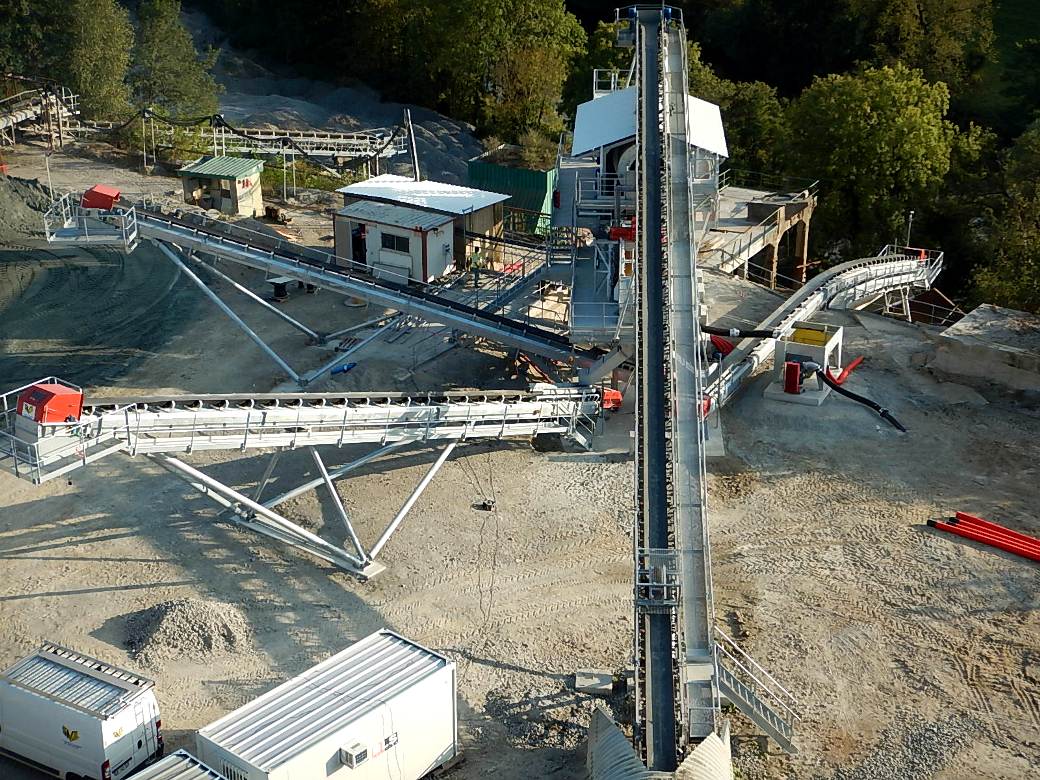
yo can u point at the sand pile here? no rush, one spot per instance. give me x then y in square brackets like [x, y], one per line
[22, 203]
[187, 629]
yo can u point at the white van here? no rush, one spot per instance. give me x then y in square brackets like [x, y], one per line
[77, 718]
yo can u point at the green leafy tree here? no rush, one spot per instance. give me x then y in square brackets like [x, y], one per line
[98, 42]
[600, 52]
[1012, 278]
[948, 40]
[879, 141]
[751, 113]
[27, 30]
[168, 73]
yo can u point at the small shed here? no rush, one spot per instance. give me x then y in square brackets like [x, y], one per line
[474, 213]
[530, 189]
[229, 184]
[395, 242]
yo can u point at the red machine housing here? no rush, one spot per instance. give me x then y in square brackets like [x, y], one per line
[792, 377]
[611, 399]
[100, 196]
[626, 232]
[50, 403]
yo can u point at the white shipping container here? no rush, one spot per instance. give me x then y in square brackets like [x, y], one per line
[384, 707]
[181, 765]
[77, 718]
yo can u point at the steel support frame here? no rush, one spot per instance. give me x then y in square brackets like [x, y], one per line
[274, 356]
[249, 513]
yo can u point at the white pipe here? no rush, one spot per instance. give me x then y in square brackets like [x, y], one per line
[227, 310]
[338, 503]
[413, 498]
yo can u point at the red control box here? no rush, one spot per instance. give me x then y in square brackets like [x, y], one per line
[100, 196]
[50, 403]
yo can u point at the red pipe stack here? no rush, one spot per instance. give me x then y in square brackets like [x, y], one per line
[986, 532]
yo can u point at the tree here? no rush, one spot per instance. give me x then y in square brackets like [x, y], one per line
[751, 113]
[27, 30]
[1012, 278]
[600, 52]
[879, 141]
[98, 41]
[948, 40]
[168, 72]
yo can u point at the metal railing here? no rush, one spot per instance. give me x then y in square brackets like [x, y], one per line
[65, 214]
[603, 189]
[755, 676]
[737, 251]
[768, 182]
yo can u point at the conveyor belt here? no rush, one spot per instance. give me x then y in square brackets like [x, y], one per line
[329, 271]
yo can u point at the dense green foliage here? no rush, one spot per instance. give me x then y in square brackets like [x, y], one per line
[91, 47]
[168, 74]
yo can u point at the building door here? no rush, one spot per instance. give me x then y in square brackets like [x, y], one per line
[358, 247]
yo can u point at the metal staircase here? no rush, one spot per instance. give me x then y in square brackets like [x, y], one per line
[753, 691]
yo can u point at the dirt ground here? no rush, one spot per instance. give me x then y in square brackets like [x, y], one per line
[824, 568]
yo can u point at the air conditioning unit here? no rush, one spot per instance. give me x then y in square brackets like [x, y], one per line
[353, 756]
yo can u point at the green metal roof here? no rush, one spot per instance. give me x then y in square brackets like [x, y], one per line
[222, 168]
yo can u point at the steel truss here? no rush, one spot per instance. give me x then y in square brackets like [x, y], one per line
[248, 512]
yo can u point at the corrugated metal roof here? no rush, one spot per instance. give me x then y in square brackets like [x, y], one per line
[429, 195]
[179, 766]
[389, 214]
[222, 167]
[288, 720]
[77, 680]
[612, 118]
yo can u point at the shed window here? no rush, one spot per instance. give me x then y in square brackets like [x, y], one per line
[395, 243]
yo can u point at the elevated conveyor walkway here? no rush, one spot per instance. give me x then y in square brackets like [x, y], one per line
[66, 223]
[184, 424]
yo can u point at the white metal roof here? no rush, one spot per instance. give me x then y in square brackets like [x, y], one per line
[429, 195]
[612, 118]
[179, 766]
[605, 120]
[704, 126]
[288, 720]
[76, 680]
[397, 216]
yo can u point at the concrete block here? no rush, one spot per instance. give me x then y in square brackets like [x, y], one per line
[775, 392]
[598, 682]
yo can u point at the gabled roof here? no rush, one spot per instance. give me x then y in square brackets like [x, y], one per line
[395, 216]
[222, 167]
[428, 195]
[612, 118]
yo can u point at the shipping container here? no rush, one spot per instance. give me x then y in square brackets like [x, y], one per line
[181, 765]
[384, 707]
[77, 718]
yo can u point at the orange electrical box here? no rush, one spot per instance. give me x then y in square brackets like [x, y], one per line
[50, 403]
[100, 197]
[611, 399]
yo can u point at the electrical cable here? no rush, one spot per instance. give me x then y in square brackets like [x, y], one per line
[829, 381]
[739, 333]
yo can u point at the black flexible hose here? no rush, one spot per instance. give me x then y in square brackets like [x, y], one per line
[737, 333]
[885, 414]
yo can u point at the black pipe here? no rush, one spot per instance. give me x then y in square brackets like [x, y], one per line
[738, 333]
[885, 414]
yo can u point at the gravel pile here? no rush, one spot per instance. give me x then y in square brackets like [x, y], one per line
[22, 203]
[913, 749]
[188, 629]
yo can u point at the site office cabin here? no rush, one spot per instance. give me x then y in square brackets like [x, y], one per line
[77, 718]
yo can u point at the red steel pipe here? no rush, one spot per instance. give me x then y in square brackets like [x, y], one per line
[967, 519]
[977, 535]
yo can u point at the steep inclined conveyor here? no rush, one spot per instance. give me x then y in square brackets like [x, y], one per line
[654, 631]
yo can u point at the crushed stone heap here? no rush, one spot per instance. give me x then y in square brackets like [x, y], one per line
[22, 203]
[187, 629]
